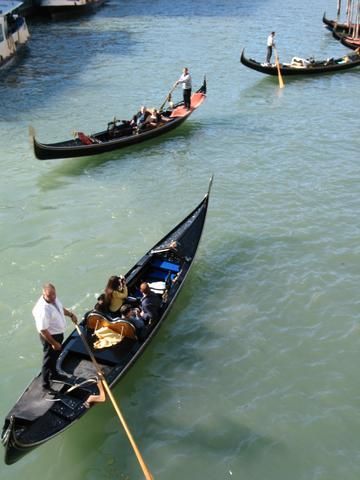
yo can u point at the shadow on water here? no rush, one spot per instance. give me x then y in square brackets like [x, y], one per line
[57, 54]
[164, 8]
[14, 63]
[79, 166]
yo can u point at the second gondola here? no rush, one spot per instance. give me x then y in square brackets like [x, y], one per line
[299, 66]
[118, 134]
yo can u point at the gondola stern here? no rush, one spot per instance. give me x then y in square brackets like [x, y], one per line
[32, 135]
[203, 88]
[242, 56]
[38, 150]
[12, 453]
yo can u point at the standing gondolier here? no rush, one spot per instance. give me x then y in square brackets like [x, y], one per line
[49, 315]
[270, 45]
[185, 79]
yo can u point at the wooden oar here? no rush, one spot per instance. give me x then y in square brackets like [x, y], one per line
[281, 81]
[143, 465]
[168, 96]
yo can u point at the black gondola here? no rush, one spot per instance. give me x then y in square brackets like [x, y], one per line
[347, 41]
[304, 67]
[34, 419]
[119, 134]
[333, 24]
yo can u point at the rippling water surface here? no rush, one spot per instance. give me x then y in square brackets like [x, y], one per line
[255, 373]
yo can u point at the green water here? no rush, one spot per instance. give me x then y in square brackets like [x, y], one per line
[254, 375]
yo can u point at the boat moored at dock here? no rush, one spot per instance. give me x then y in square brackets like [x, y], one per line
[14, 32]
[64, 8]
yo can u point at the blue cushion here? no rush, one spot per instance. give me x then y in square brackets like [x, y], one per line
[164, 264]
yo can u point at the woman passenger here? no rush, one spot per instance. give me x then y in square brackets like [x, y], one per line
[116, 293]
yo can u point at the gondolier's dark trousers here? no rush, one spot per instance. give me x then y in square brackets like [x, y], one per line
[268, 54]
[50, 357]
[187, 97]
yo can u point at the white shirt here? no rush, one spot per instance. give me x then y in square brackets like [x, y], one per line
[270, 41]
[186, 81]
[49, 316]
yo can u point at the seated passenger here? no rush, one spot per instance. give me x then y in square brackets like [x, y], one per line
[133, 121]
[101, 306]
[142, 117]
[116, 293]
[150, 305]
[156, 118]
[174, 251]
[132, 315]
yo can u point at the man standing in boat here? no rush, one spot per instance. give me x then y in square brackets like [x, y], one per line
[185, 80]
[270, 45]
[49, 315]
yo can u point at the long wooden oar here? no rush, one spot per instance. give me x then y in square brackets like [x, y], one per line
[168, 97]
[281, 81]
[143, 465]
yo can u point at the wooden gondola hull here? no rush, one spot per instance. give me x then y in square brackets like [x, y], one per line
[74, 148]
[318, 68]
[34, 419]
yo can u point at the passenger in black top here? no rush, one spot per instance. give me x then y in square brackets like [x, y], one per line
[132, 315]
[142, 117]
[150, 305]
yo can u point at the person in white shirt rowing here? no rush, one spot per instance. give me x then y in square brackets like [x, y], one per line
[270, 45]
[49, 315]
[185, 80]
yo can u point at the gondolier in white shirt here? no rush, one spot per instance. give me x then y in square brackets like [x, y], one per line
[270, 45]
[49, 315]
[185, 80]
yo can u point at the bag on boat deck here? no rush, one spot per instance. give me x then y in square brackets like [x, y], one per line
[299, 62]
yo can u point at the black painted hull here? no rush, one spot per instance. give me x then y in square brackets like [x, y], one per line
[74, 148]
[332, 24]
[350, 43]
[27, 426]
[319, 68]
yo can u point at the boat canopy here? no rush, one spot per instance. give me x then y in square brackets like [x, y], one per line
[8, 6]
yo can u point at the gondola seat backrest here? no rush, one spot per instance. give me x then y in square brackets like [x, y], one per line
[84, 139]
